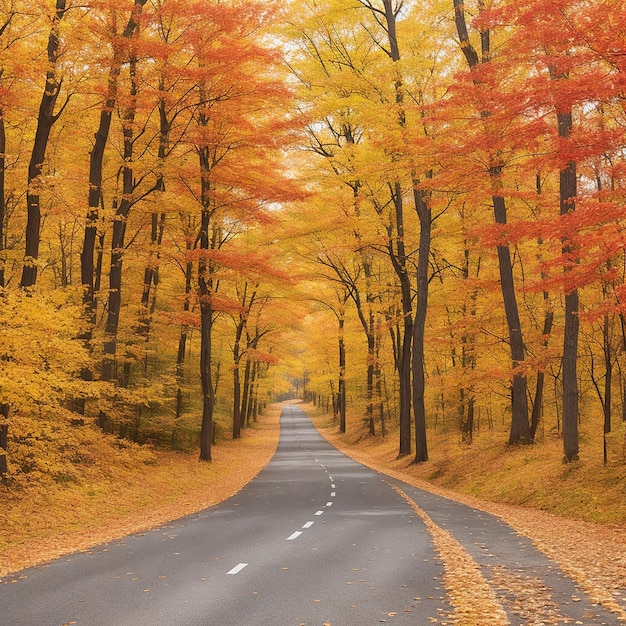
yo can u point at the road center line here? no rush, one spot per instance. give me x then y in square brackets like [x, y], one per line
[332, 494]
[308, 525]
[237, 568]
[319, 513]
[329, 504]
[294, 535]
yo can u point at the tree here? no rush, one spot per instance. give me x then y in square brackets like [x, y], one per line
[246, 301]
[119, 54]
[238, 119]
[520, 427]
[132, 189]
[46, 118]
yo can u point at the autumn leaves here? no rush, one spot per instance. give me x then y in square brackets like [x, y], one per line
[142, 155]
[466, 145]
[454, 223]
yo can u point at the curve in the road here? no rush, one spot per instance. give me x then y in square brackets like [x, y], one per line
[315, 539]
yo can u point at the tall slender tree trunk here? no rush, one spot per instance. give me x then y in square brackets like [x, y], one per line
[398, 259]
[206, 240]
[157, 219]
[109, 362]
[246, 394]
[368, 323]
[419, 324]
[548, 321]
[236, 393]
[151, 278]
[467, 402]
[520, 427]
[205, 288]
[45, 120]
[341, 394]
[568, 192]
[608, 383]
[254, 392]
[96, 160]
[3, 149]
[182, 339]
[4, 434]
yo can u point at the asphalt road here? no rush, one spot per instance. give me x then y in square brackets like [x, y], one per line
[315, 539]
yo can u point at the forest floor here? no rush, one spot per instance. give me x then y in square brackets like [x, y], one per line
[47, 523]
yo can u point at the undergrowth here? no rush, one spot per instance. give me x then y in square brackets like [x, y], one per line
[531, 476]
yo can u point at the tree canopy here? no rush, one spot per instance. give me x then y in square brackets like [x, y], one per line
[410, 213]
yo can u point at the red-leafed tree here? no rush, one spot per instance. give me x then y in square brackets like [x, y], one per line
[239, 122]
[483, 87]
[571, 76]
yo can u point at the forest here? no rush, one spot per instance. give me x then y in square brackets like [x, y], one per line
[409, 213]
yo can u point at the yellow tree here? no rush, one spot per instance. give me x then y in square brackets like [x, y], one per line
[370, 126]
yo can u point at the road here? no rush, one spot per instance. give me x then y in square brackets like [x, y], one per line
[315, 539]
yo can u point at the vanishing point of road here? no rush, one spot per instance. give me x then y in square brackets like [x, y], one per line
[316, 539]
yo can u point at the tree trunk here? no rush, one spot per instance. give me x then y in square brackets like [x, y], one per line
[96, 159]
[398, 259]
[205, 286]
[520, 427]
[608, 382]
[4, 432]
[368, 324]
[341, 394]
[206, 240]
[247, 392]
[3, 149]
[419, 324]
[151, 276]
[236, 396]
[182, 340]
[539, 386]
[45, 120]
[151, 272]
[109, 363]
[568, 191]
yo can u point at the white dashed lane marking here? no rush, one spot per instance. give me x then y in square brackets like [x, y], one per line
[319, 513]
[294, 535]
[237, 568]
[308, 525]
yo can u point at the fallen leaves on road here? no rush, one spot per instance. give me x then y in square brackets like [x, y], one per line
[593, 555]
[471, 595]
